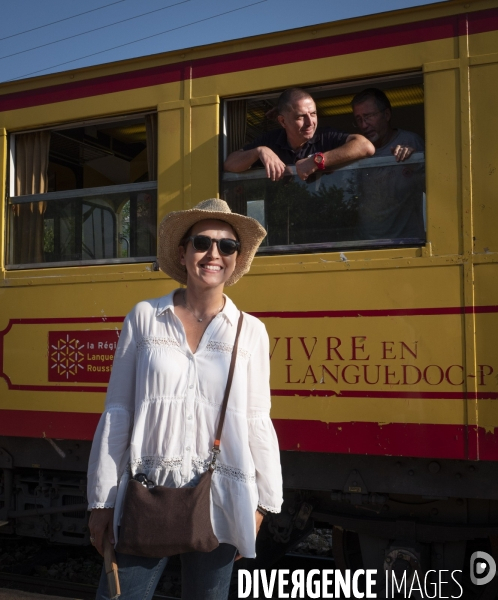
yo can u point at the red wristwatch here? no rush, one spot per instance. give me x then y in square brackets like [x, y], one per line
[319, 161]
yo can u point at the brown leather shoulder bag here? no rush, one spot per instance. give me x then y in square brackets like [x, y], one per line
[158, 521]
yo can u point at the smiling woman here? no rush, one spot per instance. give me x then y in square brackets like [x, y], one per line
[207, 271]
[169, 374]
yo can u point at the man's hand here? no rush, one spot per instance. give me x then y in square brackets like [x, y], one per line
[305, 167]
[273, 165]
[241, 160]
[401, 153]
[100, 524]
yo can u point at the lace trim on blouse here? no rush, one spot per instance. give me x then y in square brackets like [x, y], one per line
[156, 462]
[214, 346]
[149, 343]
[225, 471]
[269, 508]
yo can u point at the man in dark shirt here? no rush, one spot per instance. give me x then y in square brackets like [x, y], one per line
[391, 199]
[299, 142]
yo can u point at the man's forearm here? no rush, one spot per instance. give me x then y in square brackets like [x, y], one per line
[241, 160]
[356, 147]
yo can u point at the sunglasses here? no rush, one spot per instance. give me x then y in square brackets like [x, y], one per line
[202, 243]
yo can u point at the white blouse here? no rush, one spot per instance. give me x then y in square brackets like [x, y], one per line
[162, 409]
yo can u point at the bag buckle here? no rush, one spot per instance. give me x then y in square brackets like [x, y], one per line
[215, 450]
[142, 478]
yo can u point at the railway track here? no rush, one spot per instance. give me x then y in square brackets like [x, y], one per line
[37, 566]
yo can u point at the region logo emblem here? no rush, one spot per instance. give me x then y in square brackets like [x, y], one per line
[66, 357]
[81, 356]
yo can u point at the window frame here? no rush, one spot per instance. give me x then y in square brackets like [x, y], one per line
[313, 248]
[80, 193]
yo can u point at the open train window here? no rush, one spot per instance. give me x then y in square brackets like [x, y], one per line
[375, 202]
[84, 193]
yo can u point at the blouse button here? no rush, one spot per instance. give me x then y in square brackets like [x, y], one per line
[187, 448]
[189, 417]
[190, 387]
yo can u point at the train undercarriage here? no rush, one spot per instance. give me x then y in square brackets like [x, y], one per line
[400, 515]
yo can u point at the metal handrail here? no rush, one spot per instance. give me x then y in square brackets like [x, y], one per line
[365, 163]
[85, 193]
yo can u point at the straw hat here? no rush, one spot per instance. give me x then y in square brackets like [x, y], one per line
[175, 225]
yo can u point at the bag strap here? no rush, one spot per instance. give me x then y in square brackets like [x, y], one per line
[216, 446]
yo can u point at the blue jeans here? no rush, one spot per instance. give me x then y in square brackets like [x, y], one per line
[205, 575]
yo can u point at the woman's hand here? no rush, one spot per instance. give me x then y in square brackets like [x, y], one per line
[259, 520]
[101, 524]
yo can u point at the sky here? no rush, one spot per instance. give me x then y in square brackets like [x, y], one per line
[41, 37]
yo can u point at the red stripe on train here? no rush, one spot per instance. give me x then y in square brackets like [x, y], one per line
[34, 423]
[362, 41]
[392, 439]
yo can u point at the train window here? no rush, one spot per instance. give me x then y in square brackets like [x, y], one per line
[84, 193]
[374, 202]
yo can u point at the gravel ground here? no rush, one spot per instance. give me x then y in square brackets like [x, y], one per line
[318, 543]
[25, 556]
[76, 564]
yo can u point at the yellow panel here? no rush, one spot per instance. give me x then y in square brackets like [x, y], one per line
[390, 341]
[443, 159]
[486, 288]
[409, 353]
[350, 357]
[205, 152]
[430, 287]
[78, 402]
[437, 340]
[484, 156]
[486, 285]
[26, 345]
[170, 161]
[483, 43]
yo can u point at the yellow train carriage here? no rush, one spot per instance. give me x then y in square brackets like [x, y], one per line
[384, 362]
